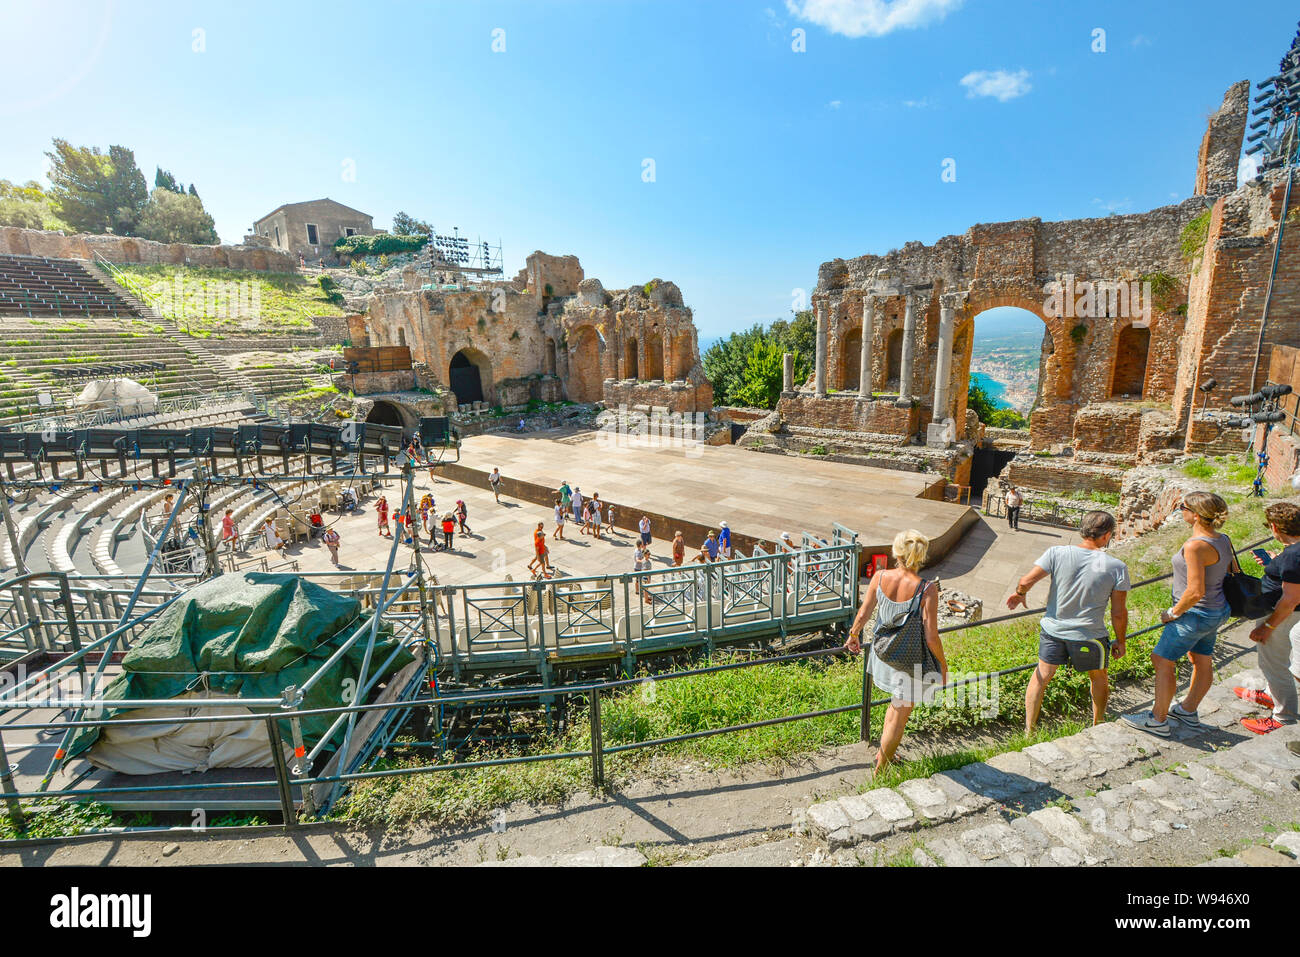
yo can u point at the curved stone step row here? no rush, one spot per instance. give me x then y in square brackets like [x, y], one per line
[1098, 828]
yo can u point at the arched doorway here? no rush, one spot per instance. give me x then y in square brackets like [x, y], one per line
[654, 356]
[629, 360]
[1130, 363]
[893, 360]
[386, 412]
[465, 376]
[585, 382]
[851, 361]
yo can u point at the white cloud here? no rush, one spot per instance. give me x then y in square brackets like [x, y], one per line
[920, 104]
[1114, 205]
[871, 18]
[997, 83]
[833, 104]
[1141, 41]
[1247, 168]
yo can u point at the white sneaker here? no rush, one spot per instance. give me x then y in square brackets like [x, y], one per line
[1148, 723]
[1188, 719]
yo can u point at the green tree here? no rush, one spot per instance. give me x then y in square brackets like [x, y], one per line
[95, 192]
[764, 372]
[989, 412]
[177, 218]
[797, 335]
[406, 225]
[27, 206]
[163, 179]
[724, 363]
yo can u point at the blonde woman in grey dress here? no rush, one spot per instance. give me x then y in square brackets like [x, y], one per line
[891, 596]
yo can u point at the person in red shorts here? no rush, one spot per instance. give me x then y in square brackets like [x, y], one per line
[541, 563]
[381, 512]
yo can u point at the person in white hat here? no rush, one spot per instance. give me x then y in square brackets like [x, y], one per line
[724, 540]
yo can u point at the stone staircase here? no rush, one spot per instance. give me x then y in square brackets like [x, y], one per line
[1108, 795]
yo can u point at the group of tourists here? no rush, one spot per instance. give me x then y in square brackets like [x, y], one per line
[907, 657]
[409, 528]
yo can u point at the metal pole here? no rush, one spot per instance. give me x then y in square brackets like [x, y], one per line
[597, 745]
[7, 786]
[26, 611]
[866, 698]
[281, 772]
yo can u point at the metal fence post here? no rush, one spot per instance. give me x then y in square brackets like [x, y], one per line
[597, 744]
[7, 786]
[281, 772]
[866, 698]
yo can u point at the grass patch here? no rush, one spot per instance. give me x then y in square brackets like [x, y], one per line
[287, 301]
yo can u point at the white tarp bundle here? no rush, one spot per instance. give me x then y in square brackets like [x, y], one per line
[125, 394]
[154, 748]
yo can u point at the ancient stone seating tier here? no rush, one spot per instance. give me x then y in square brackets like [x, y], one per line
[36, 286]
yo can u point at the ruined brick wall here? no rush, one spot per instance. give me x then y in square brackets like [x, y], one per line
[1228, 290]
[848, 413]
[1011, 264]
[1216, 162]
[126, 249]
[577, 332]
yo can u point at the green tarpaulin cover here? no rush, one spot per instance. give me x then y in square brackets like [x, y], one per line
[251, 635]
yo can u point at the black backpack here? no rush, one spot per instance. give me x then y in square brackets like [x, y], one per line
[1245, 594]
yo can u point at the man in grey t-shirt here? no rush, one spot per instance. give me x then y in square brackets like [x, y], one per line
[1084, 580]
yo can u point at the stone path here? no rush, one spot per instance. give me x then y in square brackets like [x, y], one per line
[1108, 795]
[991, 558]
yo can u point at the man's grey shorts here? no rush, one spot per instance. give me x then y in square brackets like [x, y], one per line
[1088, 654]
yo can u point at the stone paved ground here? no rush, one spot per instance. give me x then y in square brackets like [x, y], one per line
[991, 558]
[1109, 795]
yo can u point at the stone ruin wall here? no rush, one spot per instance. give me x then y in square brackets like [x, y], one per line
[127, 249]
[1008, 264]
[550, 333]
[1208, 326]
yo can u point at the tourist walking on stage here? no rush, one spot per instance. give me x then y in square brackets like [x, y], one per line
[1277, 637]
[541, 562]
[1073, 628]
[724, 540]
[462, 514]
[907, 659]
[643, 527]
[1193, 621]
[229, 533]
[679, 548]
[448, 530]
[381, 514]
[331, 540]
[597, 519]
[566, 494]
[495, 481]
[560, 514]
[577, 504]
[609, 518]
[1014, 500]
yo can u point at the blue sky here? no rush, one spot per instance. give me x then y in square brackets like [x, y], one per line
[767, 161]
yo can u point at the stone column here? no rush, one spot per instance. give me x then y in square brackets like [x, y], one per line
[868, 332]
[822, 321]
[943, 367]
[909, 334]
[787, 372]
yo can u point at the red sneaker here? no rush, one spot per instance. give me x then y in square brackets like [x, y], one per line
[1260, 725]
[1256, 697]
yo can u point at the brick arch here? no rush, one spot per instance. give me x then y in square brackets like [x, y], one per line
[585, 381]
[1130, 352]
